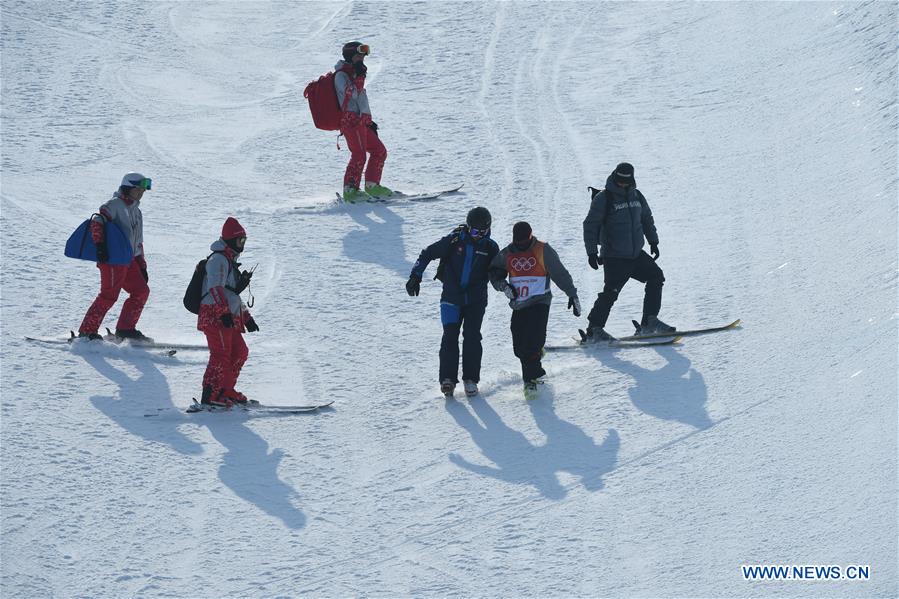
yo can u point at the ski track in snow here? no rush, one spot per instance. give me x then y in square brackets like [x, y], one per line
[637, 472]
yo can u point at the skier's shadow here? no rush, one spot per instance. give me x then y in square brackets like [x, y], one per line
[127, 410]
[381, 243]
[677, 391]
[250, 470]
[567, 448]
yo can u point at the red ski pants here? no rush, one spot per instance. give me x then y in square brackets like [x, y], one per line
[361, 141]
[114, 278]
[227, 355]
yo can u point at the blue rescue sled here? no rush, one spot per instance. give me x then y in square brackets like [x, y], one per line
[81, 246]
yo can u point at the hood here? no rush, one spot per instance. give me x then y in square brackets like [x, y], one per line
[341, 64]
[118, 195]
[219, 245]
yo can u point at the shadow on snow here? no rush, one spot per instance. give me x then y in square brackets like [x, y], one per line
[248, 468]
[568, 448]
[381, 243]
[677, 391]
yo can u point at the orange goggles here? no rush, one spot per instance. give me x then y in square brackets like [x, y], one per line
[363, 49]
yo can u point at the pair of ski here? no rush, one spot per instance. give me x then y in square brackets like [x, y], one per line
[399, 196]
[650, 340]
[169, 349]
[254, 406]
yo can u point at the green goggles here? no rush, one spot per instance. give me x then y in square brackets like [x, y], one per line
[145, 183]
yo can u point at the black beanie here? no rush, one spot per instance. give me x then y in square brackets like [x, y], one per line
[521, 232]
[624, 173]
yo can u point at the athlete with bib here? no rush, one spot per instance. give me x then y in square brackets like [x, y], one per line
[522, 271]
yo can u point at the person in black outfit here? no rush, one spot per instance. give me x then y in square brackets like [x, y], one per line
[465, 255]
[618, 220]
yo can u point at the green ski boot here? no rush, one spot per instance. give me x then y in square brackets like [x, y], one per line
[532, 389]
[354, 195]
[377, 190]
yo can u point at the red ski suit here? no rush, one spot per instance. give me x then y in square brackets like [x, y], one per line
[360, 138]
[227, 350]
[113, 278]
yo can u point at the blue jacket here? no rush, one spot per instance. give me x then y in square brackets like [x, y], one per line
[464, 262]
[618, 221]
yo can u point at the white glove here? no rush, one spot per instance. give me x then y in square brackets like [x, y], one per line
[510, 292]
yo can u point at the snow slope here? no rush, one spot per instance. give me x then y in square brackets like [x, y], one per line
[764, 137]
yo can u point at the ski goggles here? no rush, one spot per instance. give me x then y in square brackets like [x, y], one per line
[363, 49]
[145, 183]
[475, 232]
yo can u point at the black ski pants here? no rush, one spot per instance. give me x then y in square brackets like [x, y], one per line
[529, 337]
[466, 319]
[617, 272]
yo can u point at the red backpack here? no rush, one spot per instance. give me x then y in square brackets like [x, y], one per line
[323, 103]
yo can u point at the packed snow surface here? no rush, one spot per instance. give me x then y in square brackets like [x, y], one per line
[764, 136]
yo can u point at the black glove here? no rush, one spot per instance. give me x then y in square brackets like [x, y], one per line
[594, 261]
[143, 271]
[413, 285]
[360, 68]
[654, 250]
[251, 325]
[243, 281]
[228, 320]
[574, 304]
[374, 127]
[510, 292]
[102, 252]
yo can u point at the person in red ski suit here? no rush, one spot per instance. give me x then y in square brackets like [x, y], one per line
[124, 210]
[223, 317]
[356, 126]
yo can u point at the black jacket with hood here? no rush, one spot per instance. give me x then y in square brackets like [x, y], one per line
[618, 220]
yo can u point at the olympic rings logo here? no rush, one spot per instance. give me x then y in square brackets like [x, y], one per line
[523, 264]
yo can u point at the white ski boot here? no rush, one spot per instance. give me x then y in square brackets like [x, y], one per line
[447, 387]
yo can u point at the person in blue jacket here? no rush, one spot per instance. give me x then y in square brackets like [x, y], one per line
[618, 221]
[465, 256]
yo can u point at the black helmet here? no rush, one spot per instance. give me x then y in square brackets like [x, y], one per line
[350, 49]
[479, 218]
